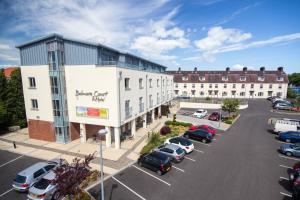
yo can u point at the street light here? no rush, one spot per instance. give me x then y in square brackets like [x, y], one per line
[101, 132]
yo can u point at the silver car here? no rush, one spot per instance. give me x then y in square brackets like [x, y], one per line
[290, 149]
[30, 175]
[43, 189]
[173, 151]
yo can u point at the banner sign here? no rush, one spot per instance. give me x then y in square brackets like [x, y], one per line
[101, 113]
[96, 96]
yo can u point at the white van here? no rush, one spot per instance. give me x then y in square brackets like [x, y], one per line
[285, 125]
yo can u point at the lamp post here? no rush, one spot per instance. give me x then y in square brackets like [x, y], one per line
[101, 132]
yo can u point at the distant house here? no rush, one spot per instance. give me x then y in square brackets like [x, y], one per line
[8, 71]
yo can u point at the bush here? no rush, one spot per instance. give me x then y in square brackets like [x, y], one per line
[174, 118]
[228, 121]
[178, 123]
[165, 130]
[207, 98]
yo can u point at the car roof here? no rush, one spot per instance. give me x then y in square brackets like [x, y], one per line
[50, 176]
[33, 168]
[158, 155]
[180, 139]
[172, 146]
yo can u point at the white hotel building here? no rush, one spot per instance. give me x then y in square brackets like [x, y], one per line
[72, 89]
[230, 84]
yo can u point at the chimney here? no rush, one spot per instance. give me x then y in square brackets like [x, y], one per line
[262, 69]
[227, 69]
[280, 69]
[195, 69]
[179, 69]
[245, 69]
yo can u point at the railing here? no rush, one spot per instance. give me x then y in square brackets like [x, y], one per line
[141, 105]
[128, 112]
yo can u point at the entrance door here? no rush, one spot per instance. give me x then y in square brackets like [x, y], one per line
[59, 134]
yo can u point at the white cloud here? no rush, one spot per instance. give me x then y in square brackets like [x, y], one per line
[239, 67]
[4, 46]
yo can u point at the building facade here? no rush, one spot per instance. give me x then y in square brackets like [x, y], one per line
[230, 84]
[72, 89]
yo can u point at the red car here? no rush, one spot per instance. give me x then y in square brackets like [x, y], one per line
[207, 128]
[215, 116]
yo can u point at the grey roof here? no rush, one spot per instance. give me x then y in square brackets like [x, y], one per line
[32, 168]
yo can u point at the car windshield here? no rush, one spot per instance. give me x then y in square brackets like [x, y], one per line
[179, 151]
[185, 142]
[42, 184]
[20, 179]
[199, 111]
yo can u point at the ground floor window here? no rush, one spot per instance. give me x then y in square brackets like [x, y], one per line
[260, 94]
[242, 94]
[279, 94]
[34, 104]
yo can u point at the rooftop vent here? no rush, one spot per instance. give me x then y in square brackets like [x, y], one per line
[227, 69]
[262, 69]
[245, 69]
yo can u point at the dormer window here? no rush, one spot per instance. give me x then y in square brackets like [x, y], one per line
[261, 78]
[202, 78]
[279, 78]
[185, 78]
[243, 78]
[225, 78]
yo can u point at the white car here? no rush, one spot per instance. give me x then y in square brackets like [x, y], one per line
[200, 113]
[181, 142]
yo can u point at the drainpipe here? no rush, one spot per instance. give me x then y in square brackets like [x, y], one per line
[119, 99]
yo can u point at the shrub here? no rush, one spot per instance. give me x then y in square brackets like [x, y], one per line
[207, 98]
[228, 121]
[174, 118]
[165, 130]
[168, 123]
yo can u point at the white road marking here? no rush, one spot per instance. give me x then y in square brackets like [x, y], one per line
[201, 143]
[131, 190]
[178, 168]
[190, 158]
[291, 158]
[198, 151]
[284, 178]
[6, 192]
[168, 184]
[285, 194]
[285, 166]
[11, 161]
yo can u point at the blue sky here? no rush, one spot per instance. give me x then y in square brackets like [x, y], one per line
[207, 34]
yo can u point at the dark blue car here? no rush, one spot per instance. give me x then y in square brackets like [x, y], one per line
[290, 136]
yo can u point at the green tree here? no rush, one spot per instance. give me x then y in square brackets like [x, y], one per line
[294, 79]
[3, 116]
[291, 93]
[230, 105]
[15, 100]
[3, 86]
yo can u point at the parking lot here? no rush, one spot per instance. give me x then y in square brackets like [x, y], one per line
[242, 163]
[10, 165]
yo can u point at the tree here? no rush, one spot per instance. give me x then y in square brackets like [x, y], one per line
[3, 86]
[294, 79]
[3, 116]
[230, 105]
[15, 100]
[69, 176]
[291, 93]
[3, 95]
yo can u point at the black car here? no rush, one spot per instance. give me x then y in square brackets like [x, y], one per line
[199, 134]
[156, 161]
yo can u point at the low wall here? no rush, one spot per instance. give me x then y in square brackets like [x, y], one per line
[205, 105]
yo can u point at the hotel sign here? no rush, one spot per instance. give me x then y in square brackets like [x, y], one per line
[96, 96]
[101, 113]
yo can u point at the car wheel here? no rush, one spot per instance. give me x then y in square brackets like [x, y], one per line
[203, 140]
[288, 153]
[288, 140]
[158, 172]
[140, 164]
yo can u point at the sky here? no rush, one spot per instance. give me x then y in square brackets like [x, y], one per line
[207, 34]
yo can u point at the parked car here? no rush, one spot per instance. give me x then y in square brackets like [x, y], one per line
[280, 101]
[215, 116]
[182, 142]
[270, 98]
[156, 161]
[32, 174]
[44, 189]
[290, 136]
[290, 149]
[207, 128]
[286, 125]
[175, 152]
[200, 113]
[276, 99]
[198, 134]
[283, 106]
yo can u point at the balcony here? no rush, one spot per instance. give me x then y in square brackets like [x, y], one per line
[141, 106]
[128, 112]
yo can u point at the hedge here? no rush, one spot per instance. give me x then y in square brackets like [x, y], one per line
[178, 123]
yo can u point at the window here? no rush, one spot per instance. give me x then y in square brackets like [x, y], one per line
[225, 85]
[150, 83]
[260, 94]
[224, 94]
[224, 78]
[216, 92]
[193, 85]
[176, 92]
[185, 78]
[176, 85]
[58, 131]
[252, 86]
[243, 78]
[279, 94]
[52, 60]
[157, 82]
[56, 108]
[127, 87]
[210, 85]
[261, 86]
[279, 86]
[34, 104]
[243, 85]
[233, 85]
[270, 86]
[32, 82]
[193, 92]
[38, 173]
[216, 85]
[242, 94]
[202, 93]
[201, 85]
[210, 92]
[279, 78]
[184, 85]
[141, 83]
[233, 93]
[49, 167]
[202, 78]
[261, 78]
[54, 85]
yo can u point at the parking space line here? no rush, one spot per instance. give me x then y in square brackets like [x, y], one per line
[1, 195]
[168, 184]
[11, 161]
[190, 159]
[291, 158]
[285, 194]
[198, 151]
[284, 178]
[131, 190]
[201, 143]
[178, 168]
[285, 166]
